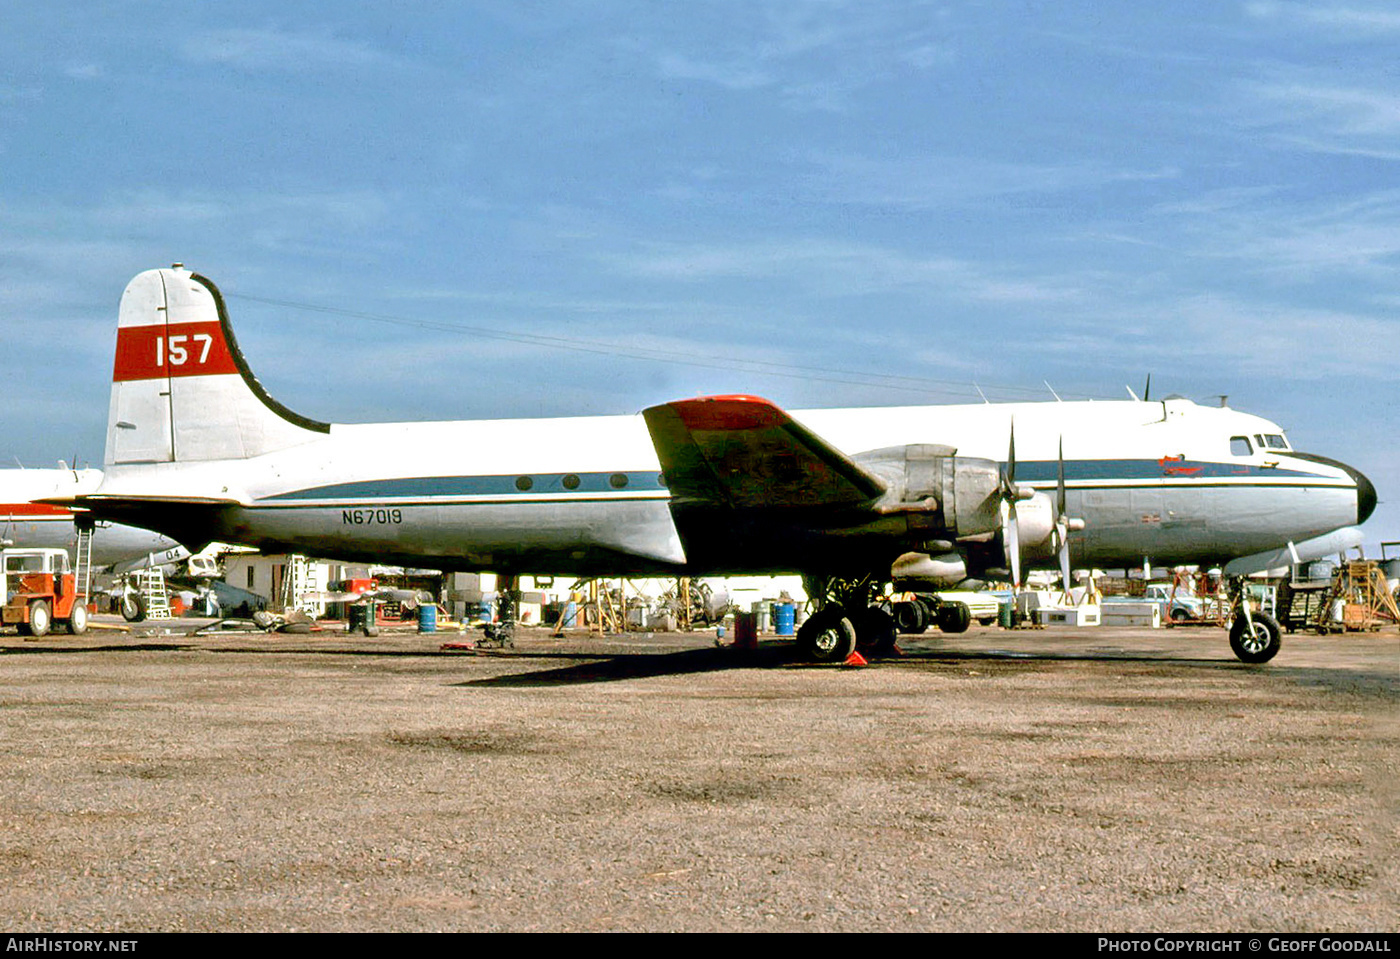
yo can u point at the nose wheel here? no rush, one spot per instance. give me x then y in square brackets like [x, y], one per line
[1256, 639]
[1255, 636]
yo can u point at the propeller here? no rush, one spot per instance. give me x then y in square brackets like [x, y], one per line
[1064, 524]
[1011, 494]
[378, 594]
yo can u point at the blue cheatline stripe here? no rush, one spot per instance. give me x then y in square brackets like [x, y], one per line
[1033, 471]
[1036, 471]
[539, 483]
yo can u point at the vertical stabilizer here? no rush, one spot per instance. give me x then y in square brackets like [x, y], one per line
[181, 389]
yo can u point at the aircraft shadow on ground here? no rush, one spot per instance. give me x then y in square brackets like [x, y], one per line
[647, 665]
[601, 667]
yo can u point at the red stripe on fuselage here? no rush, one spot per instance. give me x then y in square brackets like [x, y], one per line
[173, 349]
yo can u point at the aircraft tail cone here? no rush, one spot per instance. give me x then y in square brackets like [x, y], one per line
[856, 659]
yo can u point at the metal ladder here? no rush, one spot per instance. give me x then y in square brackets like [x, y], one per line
[82, 572]
[301, 581]
[151, 583]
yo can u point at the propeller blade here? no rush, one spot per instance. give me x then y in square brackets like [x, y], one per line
[333, 596]
[1064, 561]
[1060, 486]
[1010, 530]
[1011, 540]
[1010, 473]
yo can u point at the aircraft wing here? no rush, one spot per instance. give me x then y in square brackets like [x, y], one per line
[744, 452]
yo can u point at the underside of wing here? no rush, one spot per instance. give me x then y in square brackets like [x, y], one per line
[753, 490]
[187, 519]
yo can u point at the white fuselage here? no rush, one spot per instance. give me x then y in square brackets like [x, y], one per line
[1154, 479]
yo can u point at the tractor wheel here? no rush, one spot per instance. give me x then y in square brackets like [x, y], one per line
[40, 618]
[78, 619]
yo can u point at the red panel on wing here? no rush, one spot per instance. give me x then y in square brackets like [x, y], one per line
[735, 412]
[32, 509]
[174, 349]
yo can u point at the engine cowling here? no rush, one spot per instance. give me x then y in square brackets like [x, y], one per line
[945, 494]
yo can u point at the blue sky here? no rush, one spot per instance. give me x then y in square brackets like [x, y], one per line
[426, 211]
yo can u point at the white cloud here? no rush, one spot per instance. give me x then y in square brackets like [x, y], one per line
[1351, 20]
[1339, 110]
[833, 268]
[83, 71]
[260, 50]
[731, 76]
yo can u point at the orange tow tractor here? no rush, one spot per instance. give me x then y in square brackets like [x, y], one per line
[41, 590]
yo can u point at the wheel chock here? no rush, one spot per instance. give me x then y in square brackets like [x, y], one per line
[856, 659]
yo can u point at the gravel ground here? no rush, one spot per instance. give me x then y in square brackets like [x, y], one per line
[1083, 780]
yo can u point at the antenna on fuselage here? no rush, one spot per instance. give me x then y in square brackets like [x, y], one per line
[1052, 390]
[981, 394]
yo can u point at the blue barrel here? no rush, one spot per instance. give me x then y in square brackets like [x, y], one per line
[427, 618]
[784, 618]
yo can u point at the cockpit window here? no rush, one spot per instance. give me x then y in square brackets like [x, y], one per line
[1275, 441]
[1239, 446]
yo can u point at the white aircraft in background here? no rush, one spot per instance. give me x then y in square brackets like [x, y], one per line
[197, 450]
[26, 522]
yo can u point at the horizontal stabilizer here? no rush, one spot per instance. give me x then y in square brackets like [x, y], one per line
[745, 452]
[100, 501]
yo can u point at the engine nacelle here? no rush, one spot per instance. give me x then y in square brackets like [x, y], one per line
[945, 494]
[936, 572]
[1035, 525]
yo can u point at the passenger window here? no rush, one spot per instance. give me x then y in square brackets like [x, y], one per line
[1239, 445]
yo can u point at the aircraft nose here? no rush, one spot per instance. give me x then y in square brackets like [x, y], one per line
[1365, 495]
[1365, 491]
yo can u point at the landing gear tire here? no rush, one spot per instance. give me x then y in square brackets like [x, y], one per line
[954, 618]
[875, 631]
[1258, 641]
[132, 606]
[827, 636]
[78, 619]
[910, 617]
[40, 618]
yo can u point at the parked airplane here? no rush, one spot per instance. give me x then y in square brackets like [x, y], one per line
[198, 450]
[27, 522]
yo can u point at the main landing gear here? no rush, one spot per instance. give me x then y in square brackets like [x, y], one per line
[848, 620]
